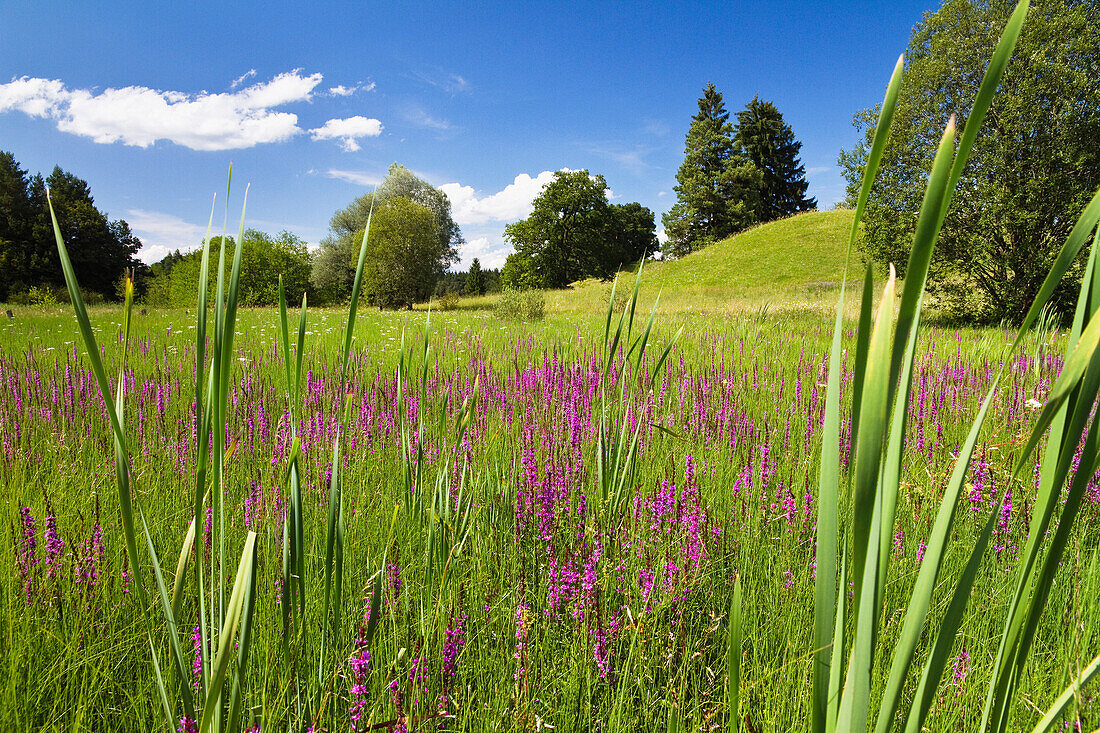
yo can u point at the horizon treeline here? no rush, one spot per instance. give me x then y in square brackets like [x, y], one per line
[101, 248]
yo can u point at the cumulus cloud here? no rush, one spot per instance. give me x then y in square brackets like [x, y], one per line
[348, 131]
[511, 203]
[490, 253]
[359, 178]
[162, 233]
[141, 116]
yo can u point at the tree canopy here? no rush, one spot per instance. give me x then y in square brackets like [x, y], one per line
[769, 143]
[1035, 162]
[574, 233]
[718, 186]
[99, 247]
[403, 254]
[174, 280]
[334, 263]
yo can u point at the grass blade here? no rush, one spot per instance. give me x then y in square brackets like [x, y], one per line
[235, 610]
[1053, 716]
[733, 660]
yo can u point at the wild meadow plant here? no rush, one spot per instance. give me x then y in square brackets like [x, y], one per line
[846, 636]
[469, 530]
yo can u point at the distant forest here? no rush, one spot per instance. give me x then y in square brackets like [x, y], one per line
[102, 250]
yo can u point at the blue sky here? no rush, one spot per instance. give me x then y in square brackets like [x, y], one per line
[149, 102]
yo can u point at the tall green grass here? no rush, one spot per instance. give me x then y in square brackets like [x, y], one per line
[883, 375]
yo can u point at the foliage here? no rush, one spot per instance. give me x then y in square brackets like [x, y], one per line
[769, 143]
[101, 248]
[448, 301]
[1035, 164]
[475, 279]
[848, 626]
[455, 282]
[521, 305]
[404, 254]
[573, 233]
[334, 263]
[264, 259]
[718, 186]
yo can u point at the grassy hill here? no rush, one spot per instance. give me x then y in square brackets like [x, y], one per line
[795, 263]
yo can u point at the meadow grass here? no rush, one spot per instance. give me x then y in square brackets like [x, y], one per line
[794, 265]
[743, 398]
[753, 521]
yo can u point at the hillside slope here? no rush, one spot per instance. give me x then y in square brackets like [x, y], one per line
[793, 262]
[790, 254]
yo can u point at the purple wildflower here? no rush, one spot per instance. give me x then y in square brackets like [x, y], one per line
[360, 665]
[28, 559]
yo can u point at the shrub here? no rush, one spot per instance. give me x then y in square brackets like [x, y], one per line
[448, 301]
[42, 296]
[521, 305]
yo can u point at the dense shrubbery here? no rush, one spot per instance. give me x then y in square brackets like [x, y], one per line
[174, 281]
[521, 305]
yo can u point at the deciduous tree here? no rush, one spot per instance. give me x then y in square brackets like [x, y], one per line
[573, 233]
[404, 254]
[334, 263]
[1035, 163]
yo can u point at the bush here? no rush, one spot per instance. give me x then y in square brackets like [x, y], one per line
[521, 305]
[622, 295]
[448, 301]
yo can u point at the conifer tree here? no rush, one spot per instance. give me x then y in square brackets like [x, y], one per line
[770, 144]
[717, 185]
[475, 281]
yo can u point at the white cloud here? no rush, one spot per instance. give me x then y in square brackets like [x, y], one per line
[512, 203]
[818, 170]
[348, 130]
[242, 78]
[141, 116]
[342, 91]
[359, 178]
[163, 233]
[662, 236]
[491, 255]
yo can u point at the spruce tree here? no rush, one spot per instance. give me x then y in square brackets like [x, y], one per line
[770, 144]
[475, 281]
[717, 185]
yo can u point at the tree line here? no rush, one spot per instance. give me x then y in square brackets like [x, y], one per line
[100, 248]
